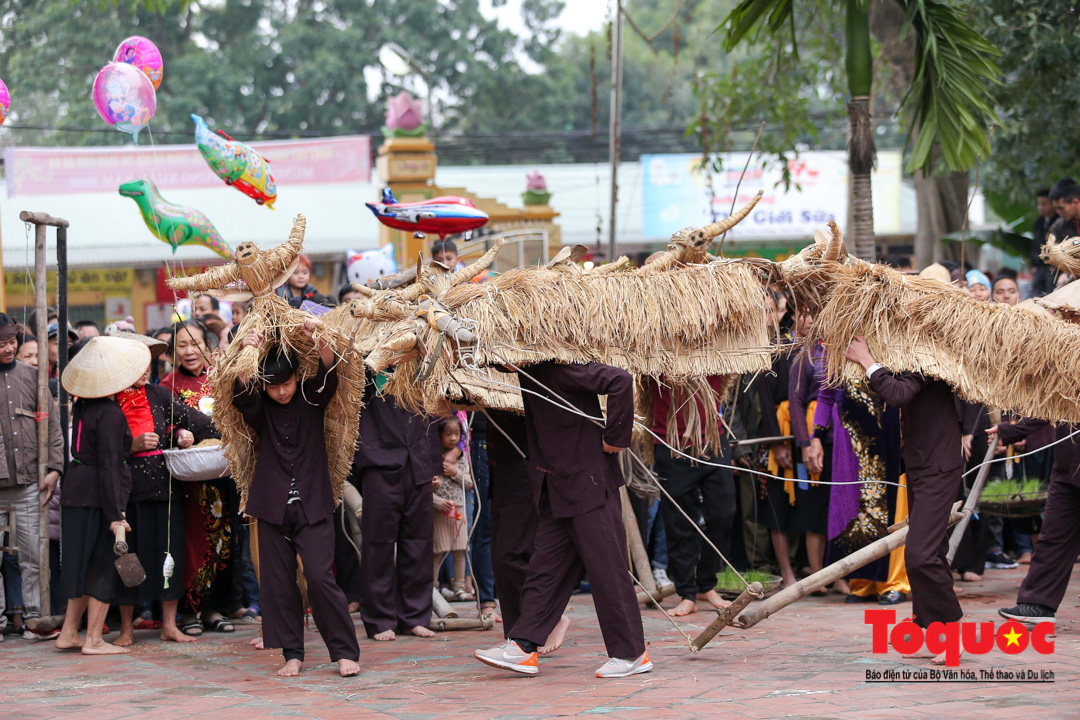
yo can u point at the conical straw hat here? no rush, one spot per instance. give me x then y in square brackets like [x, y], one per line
[106, 365]
[936, 272]
[1065, 298]
[157, 347]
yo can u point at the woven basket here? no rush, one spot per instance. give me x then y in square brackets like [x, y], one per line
[1013, 506]
[197, 463]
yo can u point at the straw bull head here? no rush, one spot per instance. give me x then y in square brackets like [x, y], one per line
[419, 309]
[1064, 255]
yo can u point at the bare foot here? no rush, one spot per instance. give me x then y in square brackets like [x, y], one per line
[103, 648]
[842, 587]
[385, 636]
[940, 659]
[257, 643]
[126, 639]
[421, 631]
[713, 598]
[354, 607]
[788, 580]
[291, 668]
[1024, 559]
[971, 577]
[68, 642]
[348, 668]
[555, 639]
[958, 590]
[173, 634]
[684, 608]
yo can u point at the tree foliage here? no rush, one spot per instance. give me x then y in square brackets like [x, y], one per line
[265, 67]
[1039, 102]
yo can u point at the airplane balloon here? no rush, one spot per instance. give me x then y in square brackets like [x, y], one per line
[236, 163]
[442, 216]
[174, 224]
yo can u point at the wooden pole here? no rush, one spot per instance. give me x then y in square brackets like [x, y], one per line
[44, 399]
[638, 555]
[41, 279]
[972, 500]
[442, 624]
[832, 573]
[661, 593]
[725, 616]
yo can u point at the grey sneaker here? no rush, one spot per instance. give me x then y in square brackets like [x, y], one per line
[619, 668]
[1028, 614]
[509, 656]
[661, 577]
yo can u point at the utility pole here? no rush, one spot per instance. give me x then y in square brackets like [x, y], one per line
[616, 125]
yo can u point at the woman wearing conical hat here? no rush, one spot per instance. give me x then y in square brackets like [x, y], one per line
[157, 419]
[96, 487]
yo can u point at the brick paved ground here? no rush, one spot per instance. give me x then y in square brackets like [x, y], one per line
[808, 661]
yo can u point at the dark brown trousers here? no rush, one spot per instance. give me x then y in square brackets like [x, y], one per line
[930, 498]
[282, 607]
[396, 590]
[513, 535]
[1056, 548]
[593, 542]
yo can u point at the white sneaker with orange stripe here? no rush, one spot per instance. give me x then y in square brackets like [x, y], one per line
[510, 656]
[619, 668]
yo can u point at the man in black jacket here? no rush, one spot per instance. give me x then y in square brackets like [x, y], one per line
[575, 477]
[934, 462]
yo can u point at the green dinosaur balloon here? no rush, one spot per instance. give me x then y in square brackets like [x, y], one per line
[174, 224]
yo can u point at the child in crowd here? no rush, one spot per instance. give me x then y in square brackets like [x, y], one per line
[451, 535]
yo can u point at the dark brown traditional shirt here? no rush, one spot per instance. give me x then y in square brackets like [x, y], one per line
[292, 448]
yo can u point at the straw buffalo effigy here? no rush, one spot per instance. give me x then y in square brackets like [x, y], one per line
[257, 273]
[682, 318]
[994, 354]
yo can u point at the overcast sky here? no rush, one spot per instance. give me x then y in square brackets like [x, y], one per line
[578, 17]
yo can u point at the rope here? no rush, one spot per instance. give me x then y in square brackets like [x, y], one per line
[689, 640]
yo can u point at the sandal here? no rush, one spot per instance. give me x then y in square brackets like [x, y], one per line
[192, 629]
[462, 596]
[221, 625]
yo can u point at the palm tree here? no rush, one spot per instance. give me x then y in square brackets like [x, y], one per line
[947, 106]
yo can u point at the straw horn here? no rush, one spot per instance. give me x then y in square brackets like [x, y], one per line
[704, 235]
[832, 250]
[470, 271]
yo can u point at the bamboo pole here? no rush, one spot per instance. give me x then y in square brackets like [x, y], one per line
[661, 593]
[640, 558]
[972, 500]
[832, 573]
[726, 615]
[443, 624]
[439, 605]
